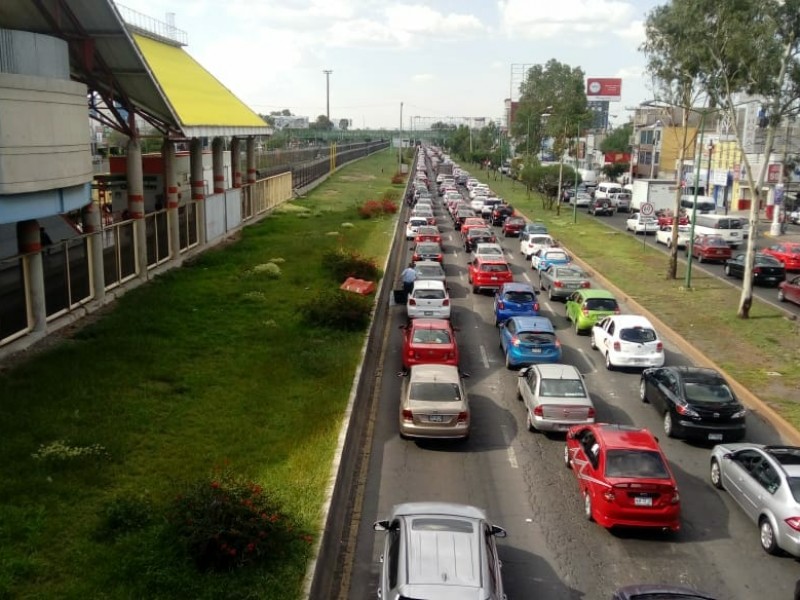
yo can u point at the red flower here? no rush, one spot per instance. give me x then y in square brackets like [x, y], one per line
[232, 552]
[307, 538]
[215, 484]
[251, 547]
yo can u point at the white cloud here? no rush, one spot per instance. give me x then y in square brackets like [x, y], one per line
[421, 77]
[523, 18]
[419, 19]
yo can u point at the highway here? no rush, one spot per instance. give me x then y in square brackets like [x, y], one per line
[552, 551]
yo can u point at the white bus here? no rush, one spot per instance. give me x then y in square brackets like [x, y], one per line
[732, 229]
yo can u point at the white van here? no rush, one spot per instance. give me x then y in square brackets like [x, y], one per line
[732, 229]
[705, 204]
[606, 188]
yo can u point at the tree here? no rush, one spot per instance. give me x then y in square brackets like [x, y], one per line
[322, 123]
[344, 124]
[619, 140]
[614, 170]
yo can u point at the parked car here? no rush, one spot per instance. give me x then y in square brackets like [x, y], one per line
[427, 251]
[561, 281]
[478, 235]
[601, 206]
[545, 257]
[766, 270]
[434, 403]
[429, 269]
[664, 236]
[429, 341]
[428, 298]
[428, 233]
[586, 307]
[695, 402]
[514, 300]
[454, 541]
[623, 476]
[555, 397]
[789, 290]
[660, 592]
[765, 482]
[483, 273]
[529, 243]
[512, 226]
[708, 248]
[787, 253]
[638, 223]
[529, 340]
[627, 341]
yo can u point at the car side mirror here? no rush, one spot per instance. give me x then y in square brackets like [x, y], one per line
[381, 525]
[498, 531]
[523, 372]
[728, 455]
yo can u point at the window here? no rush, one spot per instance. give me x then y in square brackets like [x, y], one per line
[431, 336]
[435, 392]
[638, 335]
[537, 338]
[767, 477]
[519, 297]
[562, 388]
[601, 304]
[635, 463]
[490, 559]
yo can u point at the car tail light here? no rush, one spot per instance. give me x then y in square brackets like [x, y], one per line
[558, 343]
[463, 416]
[676, 497]
[501, 305]
[558, 284]
[410, 353]
[446, 302]
[586, 284]
[451, 355]
[585, 311]
[659, 347]
[617, 346]
[408, 416]
[412, 302]
[793, 522]
[684, 410]
[609, 496]
[536, 306]
[538, 411]
[757, 270]
[591, 412]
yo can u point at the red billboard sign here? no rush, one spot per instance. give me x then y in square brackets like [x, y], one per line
[603, 88]
[773, 173]
[617, 157]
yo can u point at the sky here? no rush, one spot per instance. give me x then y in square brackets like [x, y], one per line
[442, 59]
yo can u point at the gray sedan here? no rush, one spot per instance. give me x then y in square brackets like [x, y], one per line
[765, 482]
[561, 280]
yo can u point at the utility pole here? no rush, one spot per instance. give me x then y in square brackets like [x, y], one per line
[328, 93]
[400, 143]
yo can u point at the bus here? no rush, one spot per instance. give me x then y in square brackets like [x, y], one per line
[732, 229]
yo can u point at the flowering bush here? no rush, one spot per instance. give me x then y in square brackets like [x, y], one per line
[388, 206]
[370, 209]
[346, 263]
[337, 309]
[398, 178]
[227, 522]
[61, 451]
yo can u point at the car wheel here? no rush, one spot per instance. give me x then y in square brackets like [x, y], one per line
[669, 428]
[609, 366]
[781, 296]
[715, 475]
[567, 461]
[577, 329]
[592, 343]
[727, 270]
[474, 289]
[587, 506]
[642, 390]
[767, 536]
[529, 423]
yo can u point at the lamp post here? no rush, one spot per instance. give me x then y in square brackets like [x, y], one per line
[688, 282]
[328, 93]
[400, 143]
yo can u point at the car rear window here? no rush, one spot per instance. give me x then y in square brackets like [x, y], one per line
[570, 273]
[706, 392]
[768, 261]
[430, 294]
[431, 336]
[435, 391]
[635, 463]
[639, 335]
[601, 304]
[428, 272]
[561, 388]
[540, 239]
[494, 268]
[555, 256]
[440, 524]
[718, 241]
[519, 296]
[537, 337]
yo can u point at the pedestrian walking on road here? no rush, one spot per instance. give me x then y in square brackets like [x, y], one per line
[409, 275]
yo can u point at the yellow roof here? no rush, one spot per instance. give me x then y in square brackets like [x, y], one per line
[202, 104]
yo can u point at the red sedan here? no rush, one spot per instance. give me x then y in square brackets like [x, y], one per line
[623, 476]
[789, 290]
[666, 217]
[786, 252]
[427, 341]
[428, 233]
[512, 226]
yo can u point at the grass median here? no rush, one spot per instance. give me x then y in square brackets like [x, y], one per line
[207, 370]
[762, 352]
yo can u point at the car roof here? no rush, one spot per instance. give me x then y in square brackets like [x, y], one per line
[631, 321]
[437, 508]
[595, 293]
[696, 373]
[534, 323]
[491, 260]
[558, 371]
[517, 286]
[428, 263]
[625, 436]
[434, 372]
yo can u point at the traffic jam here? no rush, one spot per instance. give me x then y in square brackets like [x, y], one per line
[461, 236]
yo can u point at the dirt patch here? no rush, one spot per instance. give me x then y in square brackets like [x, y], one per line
[357, 177]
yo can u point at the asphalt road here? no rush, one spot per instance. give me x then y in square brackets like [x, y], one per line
[766, 294]
[551, 551]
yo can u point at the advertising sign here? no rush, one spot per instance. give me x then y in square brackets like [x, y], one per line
[603, 88]
[773, 173]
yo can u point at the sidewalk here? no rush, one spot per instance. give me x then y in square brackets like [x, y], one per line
[792, 231]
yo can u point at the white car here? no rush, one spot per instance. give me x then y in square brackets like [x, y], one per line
[582, 199]
[641, 224]
[487, 251]
[477, 204]
[428, 298]
[664, 236]
[413, 225]
[627, 341]
[555, 397]
[478, 191]
[529, 243]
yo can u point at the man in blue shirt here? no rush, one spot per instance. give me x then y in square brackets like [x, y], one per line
[408, 276]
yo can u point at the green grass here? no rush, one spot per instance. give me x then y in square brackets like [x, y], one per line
[207, 364]
[753, 350]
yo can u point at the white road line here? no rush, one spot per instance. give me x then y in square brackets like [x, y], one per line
[512, 457]
[484, 357]
[528, 279]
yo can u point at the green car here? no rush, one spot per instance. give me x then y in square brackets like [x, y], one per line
[587, 307]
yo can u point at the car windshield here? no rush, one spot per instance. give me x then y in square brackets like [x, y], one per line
[426, 272]
[494, 268]
[708, 392]
[639, 335]
[562, 388]
[555, 256]
[635, 463]
[431, 336]
[441, 524]
[435, 391]
[607, 304]
[520, 297]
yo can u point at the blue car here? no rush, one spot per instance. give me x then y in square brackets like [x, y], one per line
[529, 340]
[514, 300]
[546, 257]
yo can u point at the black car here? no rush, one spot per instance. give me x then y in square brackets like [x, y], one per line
[461, 215]
[695, 402]
[501, 213]
[660, 592]
[601, 206]
[766, 270]
[476, 236]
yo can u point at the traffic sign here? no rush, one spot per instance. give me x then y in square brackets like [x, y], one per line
[647, 209]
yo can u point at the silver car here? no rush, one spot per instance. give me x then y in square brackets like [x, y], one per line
[429, 269]
[439, 551]
[555, 397]
[765, 482]
[434, 404]
[561, 281]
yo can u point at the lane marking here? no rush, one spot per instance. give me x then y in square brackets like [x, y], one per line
[512, 457]
[484, 356]
[528, 279]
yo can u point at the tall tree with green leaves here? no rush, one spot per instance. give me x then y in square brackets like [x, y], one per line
[619, 140]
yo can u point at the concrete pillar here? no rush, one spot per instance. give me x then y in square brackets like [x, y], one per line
[236, 163]
[198, 187]
[251, 159]
[29, 242]
[136, 204]
[171, 188]
[218, 165]
[90, 215]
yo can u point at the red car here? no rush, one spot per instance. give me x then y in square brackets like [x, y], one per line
[666, 217]
[512, 226]
[786, 252]
[428, 233]
[427, 251]
[623, 476]
[710, 247]
[485, 273]
[429, 341]
[789, 290]
[470, 222]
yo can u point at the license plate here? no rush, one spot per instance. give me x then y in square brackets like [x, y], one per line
[643, 501]
[436, 418]
[571, 286]
[717, 437]
[536, 350]
[428, 313]
[494, 278]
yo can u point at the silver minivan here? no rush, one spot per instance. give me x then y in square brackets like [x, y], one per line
[439, 550]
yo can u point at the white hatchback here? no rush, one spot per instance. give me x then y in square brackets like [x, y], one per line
[628, 341]
[428, 298]
[413, 225]
[529, 243]
[487, 251]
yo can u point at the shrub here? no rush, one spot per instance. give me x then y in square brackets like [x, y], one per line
[370, 209]
[337, 309]
[398, 178]
[344, 263]
[389, 207]
[226, 522]
[125, 514]
[269, 270]
[391, 194]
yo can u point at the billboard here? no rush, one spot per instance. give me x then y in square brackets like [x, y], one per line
[603, 88]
